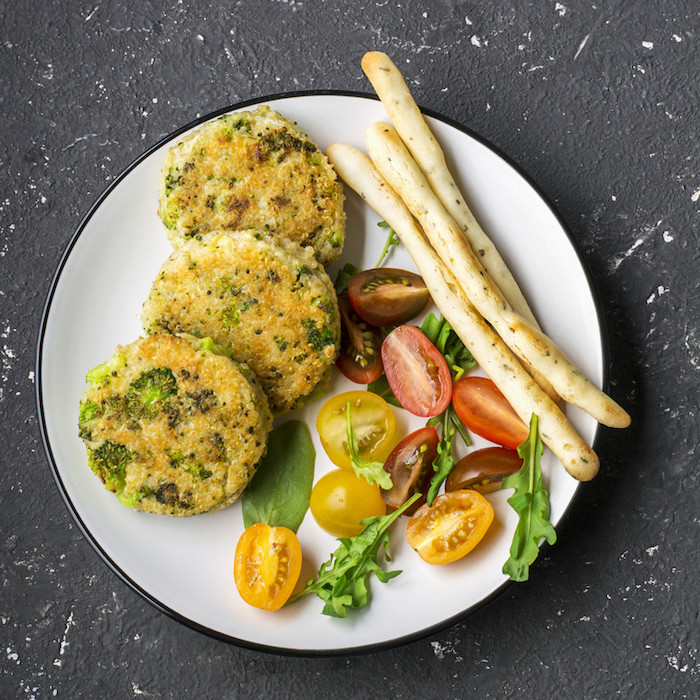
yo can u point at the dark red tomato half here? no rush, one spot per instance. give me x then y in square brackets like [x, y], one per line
[483, 470]
[360, 357]
[416, 371]
[387, 296]
[485, 411]
[410, 465]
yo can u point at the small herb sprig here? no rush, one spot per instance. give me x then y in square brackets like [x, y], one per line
[531, 502]
[391, 241]
[372, 472]
[343, 581]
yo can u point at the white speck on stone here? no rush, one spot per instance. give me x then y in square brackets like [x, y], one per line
[648, 44]
[475, 41]
[560, 9]
[667, 236]
[614, 198]
[154, 100]
[640, 69]
[467, 21]
[696, 195]
[677, 38]
[200, 38]
[440, 650]
[580, 46]
[651, 551]
[136, 690]
[12, 655]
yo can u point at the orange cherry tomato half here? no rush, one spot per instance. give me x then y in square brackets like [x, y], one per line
[416, 371]
[267, 565]
[486, 412]
[451, 527]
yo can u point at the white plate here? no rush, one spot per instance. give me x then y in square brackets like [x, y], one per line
[184, 566]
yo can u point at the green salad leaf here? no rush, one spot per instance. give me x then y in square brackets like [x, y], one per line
[372, 472]
[342, 280]
[441, 334]
[391, 241]
[531, 502]
[343, 581]
[280, 491]
[381, 387]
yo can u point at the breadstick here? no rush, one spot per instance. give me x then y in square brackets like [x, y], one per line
[415, 133]
[521, 391]
[394, 162]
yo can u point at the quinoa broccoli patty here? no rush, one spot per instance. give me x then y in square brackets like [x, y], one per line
[173, 427]
[253, 170]
[267, 300]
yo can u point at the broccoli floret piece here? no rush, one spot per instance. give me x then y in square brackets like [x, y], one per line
[89, 410]
[318, 338]
[150, 392]
[109, 462]
[102, 373]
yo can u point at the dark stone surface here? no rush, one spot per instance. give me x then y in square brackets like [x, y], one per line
[598, 102]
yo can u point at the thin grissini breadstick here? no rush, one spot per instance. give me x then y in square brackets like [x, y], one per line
[394, 162]
[425, 149]
[521, 391]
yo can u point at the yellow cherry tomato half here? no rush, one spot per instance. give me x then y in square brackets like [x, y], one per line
[373, 425]
[339, 500]
[267, 565]
[451, 527]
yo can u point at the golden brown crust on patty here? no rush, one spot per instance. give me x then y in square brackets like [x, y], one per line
[253, 169]
[173, 428]
[265, 299]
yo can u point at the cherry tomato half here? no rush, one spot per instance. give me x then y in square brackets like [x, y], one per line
[359, 358]
[267, 565]
[339, 500]
[451, 527]
[409, 465]
[483, 470]
[387, 296]
[373, 425]
[485, 411]
[416, 371]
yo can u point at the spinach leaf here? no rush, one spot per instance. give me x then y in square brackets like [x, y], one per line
[343, 581]
[281, 488]
[531, 502]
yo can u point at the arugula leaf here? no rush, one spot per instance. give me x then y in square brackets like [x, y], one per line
[444, 463]
[372, 472]
[345, 274]
[281, 488]
[440, 333]
[381, 387]
[531, 502]
[391, 241]
[343, 581]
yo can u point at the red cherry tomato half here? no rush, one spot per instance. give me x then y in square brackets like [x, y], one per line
[485, 411]
[387, 296]
[416, 371]
[409, 465]
[484, 470]
[360, 354]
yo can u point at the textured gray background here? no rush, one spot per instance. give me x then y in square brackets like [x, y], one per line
[598, 103]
